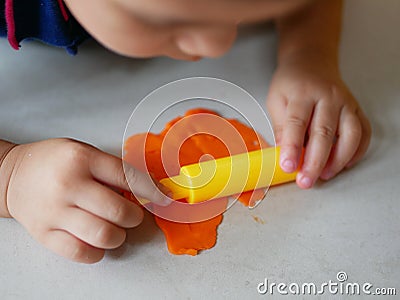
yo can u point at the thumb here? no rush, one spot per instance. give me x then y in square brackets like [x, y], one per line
[144, 187]
[113, 171]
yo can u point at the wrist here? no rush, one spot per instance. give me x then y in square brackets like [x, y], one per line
[6, 167]
[312, 33]
[313, 58]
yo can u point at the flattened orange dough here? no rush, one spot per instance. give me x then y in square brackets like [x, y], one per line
[185, 238]
[189, 238]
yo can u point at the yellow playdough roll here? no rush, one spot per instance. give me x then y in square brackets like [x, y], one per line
[228, 176]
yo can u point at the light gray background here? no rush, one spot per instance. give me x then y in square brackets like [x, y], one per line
[349, 224]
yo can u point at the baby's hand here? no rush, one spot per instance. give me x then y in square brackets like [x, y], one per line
[310, 105]
[60, 191]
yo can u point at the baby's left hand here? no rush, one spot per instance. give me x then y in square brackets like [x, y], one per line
[311, 106]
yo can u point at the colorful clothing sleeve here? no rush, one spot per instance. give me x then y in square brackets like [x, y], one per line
[46, 20]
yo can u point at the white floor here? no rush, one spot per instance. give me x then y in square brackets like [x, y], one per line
[349, 224]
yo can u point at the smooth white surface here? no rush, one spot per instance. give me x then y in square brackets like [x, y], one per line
[349, 224]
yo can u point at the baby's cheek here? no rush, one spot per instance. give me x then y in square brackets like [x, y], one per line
[118, 30]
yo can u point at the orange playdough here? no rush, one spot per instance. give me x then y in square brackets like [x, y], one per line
[188, 238]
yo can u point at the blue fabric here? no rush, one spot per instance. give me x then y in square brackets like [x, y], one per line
[3, 27]
[43, 20]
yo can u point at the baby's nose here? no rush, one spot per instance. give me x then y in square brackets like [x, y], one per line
[208, 41]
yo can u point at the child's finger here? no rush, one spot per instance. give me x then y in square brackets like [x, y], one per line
[143, 186]
[107, 204]
[296, 122]
[277, 111]
[365, 138]
[349, 136]
[68, 246]
[322, 132]
[110, 170]
[91, 229]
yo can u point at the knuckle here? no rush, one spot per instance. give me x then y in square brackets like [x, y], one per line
[324, 131]
[278, 130]
[296, 121]
[292, 146]
[335, 91]
[75, 153]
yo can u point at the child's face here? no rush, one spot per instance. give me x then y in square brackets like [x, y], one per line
[189, 29]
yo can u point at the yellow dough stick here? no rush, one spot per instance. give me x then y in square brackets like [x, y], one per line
[228, 176]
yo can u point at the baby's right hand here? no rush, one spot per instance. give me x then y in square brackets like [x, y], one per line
[60, 191]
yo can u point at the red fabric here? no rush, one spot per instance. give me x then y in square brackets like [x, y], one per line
[63, 10]
[11, 24]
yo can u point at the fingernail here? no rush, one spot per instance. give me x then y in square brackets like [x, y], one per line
[306, 182]
[166, 201]
[166, 196]
[288, 166]
[163, 200]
